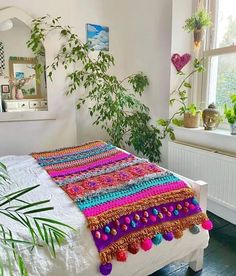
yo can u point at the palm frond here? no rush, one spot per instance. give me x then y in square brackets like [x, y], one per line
[42, 231]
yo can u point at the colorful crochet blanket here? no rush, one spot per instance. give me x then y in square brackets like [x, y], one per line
[128, 202]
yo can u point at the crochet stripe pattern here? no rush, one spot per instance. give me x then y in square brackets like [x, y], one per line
[128, 202]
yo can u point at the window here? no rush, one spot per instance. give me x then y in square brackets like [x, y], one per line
[220, 48]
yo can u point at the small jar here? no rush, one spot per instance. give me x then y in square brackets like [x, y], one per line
[211, 117]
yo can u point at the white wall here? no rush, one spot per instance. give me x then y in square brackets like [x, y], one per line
[140, 40]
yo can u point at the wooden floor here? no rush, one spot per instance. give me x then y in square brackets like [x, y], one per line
[220, 256]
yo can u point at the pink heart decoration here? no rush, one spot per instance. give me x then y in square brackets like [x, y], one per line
[180, 61]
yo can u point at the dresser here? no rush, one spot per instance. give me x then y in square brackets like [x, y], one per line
[26, 105]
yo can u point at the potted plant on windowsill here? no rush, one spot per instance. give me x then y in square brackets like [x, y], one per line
[230, 114]
[192, 116]
[186, 115]
[197, 24]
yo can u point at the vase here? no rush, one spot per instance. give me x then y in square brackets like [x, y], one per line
[19, 94]
[198, 37]
[211, 117]
[13, 92]
[233, 128]
[191, 121]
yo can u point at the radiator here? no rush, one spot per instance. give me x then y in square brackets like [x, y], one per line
[217, 169]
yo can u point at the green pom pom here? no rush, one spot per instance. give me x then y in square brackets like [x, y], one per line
[194, 230]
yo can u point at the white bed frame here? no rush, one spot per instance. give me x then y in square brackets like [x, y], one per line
[201, 191]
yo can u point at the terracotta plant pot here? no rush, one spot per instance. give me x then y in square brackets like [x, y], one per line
[192, 121]
[198, 37]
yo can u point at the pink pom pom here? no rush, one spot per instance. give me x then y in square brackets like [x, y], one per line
[207, 225]
[153, 218]
[127, 220]
[104, 237]
[146, 244]
[192, 206]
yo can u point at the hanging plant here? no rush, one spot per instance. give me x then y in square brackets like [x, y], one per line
[197, 24]
[115, 104]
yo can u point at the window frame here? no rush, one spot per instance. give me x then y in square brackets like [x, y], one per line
[207, 51]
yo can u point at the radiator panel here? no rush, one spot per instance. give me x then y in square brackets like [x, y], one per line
[218, 170]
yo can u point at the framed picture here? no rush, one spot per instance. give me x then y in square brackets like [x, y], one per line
[5, 88]
[20, 75]
[98, 37]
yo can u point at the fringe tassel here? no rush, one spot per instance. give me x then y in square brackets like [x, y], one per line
[102, 219]
[110, 252]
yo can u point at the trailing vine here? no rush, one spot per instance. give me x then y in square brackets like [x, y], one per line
[180, 96]
[115, 104]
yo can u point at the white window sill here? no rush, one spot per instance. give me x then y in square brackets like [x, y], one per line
[219, 131]
[219, 139]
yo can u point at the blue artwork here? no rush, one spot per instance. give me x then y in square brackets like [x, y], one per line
[20, 75]
[98, 37]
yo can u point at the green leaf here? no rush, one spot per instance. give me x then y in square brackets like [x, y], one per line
[13, 196]
[187, 85]
[162, 122]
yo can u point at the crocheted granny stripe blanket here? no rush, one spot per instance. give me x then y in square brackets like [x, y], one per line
[128, 202]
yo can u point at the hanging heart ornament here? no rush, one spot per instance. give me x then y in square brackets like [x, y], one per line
[180, 61]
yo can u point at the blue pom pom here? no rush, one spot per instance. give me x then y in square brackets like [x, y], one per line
[133, 224]
[107, 229]
[155, 211]
[195, 201]
[176, 212]
[157, 239]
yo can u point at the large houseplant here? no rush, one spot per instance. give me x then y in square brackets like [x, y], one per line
[230, 114]
[197, 23]
[113, 102]
[42, 231]
[187, 115]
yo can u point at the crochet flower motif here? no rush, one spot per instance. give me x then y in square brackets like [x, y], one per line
[137, 171]
[153, 167]
[123, 176]
[107, 180]
[91, 185]
[74, 190]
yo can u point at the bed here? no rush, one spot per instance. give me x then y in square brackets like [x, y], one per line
[79, 256]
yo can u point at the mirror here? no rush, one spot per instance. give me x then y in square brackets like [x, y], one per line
[22, 87]
[21, 68]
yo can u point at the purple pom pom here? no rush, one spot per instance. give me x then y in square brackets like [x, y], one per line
[168, 236]
[105, 269]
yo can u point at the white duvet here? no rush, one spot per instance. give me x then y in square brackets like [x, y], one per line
[79, 256]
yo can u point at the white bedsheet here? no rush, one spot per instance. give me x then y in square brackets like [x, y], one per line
[78, 256]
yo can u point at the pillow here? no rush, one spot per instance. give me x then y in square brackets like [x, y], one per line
[5, 180]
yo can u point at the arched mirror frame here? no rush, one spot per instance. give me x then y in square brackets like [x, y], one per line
[10, 13]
